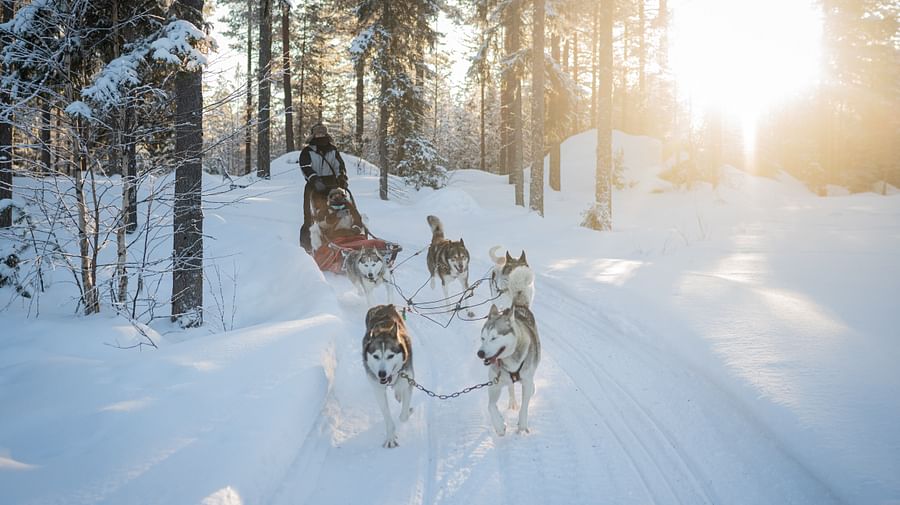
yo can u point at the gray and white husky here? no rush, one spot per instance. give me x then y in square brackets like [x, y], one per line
[367, 270]
[512, 279]
[387, 353]
[447, 259]
[510, 347]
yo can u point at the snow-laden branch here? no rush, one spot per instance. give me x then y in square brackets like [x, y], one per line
[176, 45]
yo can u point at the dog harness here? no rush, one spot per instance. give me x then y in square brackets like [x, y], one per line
[513, 376]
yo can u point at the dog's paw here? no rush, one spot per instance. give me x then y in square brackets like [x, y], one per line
[405, 415]
[523, 430]
[390, 442]
[513, 405]
[501, 430]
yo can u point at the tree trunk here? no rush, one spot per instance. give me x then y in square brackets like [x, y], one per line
[517, 155]
[286, 63]
[130, 170]
[302, 109]
[187, 254]
[88, 269]
[383, 118]
[248, 131]
[600, 216]
[594, 67]
[576, 106]
[263, 161]
[482, 104]
[556, 119]
[46, 138]
[536, 191]
[642, 63]
[6, 134]
[505, 102]
[360, 68]
[623, 90]
[118, 151]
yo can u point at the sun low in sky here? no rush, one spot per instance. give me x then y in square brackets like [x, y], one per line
[743, 57]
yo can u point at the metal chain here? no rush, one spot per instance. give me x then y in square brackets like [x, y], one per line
[432, 394]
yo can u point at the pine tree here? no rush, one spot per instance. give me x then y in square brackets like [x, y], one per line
[536, 193]
[6, 129]
[187, 277]
[263, 160]
[394, 34]
[599, 217]
[286, 79]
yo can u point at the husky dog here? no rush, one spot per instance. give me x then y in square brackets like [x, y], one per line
[512, 278]
[387, 353]
[511, 348]
[367, 269]
[338, 218]
[447, 259]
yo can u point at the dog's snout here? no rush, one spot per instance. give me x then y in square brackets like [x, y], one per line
[381, 374]
[481, 354]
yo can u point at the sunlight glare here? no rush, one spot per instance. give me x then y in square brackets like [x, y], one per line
[743, 57]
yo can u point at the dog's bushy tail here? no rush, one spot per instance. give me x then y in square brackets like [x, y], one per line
[498, 260]
[521, 286]
[437, 229]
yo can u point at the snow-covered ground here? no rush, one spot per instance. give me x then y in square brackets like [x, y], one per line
[735, 345]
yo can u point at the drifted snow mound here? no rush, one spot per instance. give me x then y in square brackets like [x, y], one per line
[641, 159]
[447, 201]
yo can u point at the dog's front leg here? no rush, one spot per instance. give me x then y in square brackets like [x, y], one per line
[527, 391]
[513, 405]
[496, 417]
[390, 439]
[368, 291]
[405, 396]
[388, 288]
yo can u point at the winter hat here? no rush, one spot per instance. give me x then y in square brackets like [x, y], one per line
[318, 130]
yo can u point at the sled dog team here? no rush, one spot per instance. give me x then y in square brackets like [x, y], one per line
[510, 346]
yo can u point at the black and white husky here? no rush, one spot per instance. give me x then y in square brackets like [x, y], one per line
[510, 347]
[367, 270]
[387, 353]
[512, 279]
[447, 259]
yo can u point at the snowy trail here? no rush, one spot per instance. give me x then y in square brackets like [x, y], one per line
[606, 399]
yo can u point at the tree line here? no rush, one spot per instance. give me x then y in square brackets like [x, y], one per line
[98, 88]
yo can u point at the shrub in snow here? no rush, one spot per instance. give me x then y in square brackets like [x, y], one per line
[11, 251]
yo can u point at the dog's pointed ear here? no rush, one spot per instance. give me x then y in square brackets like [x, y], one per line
[508, 257]
[494, 312]
[461, 241]
[522, 257]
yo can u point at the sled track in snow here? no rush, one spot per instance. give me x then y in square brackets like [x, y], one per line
[679, 480]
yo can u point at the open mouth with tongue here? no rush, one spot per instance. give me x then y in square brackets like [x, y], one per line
[493, 359]
[385, 380]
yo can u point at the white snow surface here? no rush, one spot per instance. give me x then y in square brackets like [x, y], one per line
[730, 345]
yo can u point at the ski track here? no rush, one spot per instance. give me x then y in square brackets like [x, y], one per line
[648, 443]
[449, 453]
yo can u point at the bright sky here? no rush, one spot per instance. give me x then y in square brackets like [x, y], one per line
[744, 56]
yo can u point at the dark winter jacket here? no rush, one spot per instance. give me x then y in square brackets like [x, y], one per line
[323, 160]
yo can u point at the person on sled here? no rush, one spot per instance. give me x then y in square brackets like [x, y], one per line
[324, 170]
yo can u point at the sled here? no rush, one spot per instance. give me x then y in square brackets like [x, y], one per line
[330, 255]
